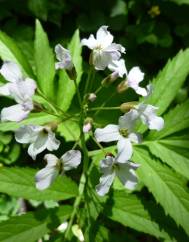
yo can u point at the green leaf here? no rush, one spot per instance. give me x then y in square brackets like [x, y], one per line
[66, 87]
[176, 120]
[141, 215]
[32, 226]
[34, 119]
[166, 186]
[170, 154]
[169, 81]
[70, 130]
[9, 51]
[44, 61]
[19, 182]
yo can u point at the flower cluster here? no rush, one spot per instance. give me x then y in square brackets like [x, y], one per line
[105, 54]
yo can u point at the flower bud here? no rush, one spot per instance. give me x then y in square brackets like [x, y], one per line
[109, 79]
[87, 125]
[125, 107]
[122, 87]
[92, 97]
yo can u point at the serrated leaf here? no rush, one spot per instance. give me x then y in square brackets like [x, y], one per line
[176, 120]
[169, 81]
[32, 226]
[34, 119]
[165, 185]
[44, 61]
[66, 87]
[141, 215]
[170, 155]
[9, 51]
[70, 130]
[19, 182]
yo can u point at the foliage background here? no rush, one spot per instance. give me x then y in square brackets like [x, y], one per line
[151, 37]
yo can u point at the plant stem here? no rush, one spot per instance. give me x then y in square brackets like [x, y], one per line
[104, 108]
[85, 167]
[88, 80]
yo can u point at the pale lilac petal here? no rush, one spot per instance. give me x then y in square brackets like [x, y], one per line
[134, 77]
[25, 134]
[107, 134]
[51, 160]
[45, 177]
[14, 113]
[125, 150]
[63, 55]
[11, 71]
[118, 67]
[128, 120]
[71, 159]
[126, 174]
[101, 59]
[141, 91]
[135, 138]
[91, 42]
[5, 89]
[105, 182]
[52, 142]
[157, 123]
[103, 36]
[106, 164]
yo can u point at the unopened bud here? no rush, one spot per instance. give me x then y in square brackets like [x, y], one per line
[122, 87]
[87, 125]
[109, 154]
[109, 79]
[125, 107]
[77, 232]
[92, 97]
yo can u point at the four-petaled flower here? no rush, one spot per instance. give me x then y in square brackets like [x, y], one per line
[20, 88]
[103, 50]
[123, 133]
[70, 160]
[39, 137]
[111, 167]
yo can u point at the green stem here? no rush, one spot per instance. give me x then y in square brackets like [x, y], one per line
[85, 167]
[88, 80]
[104, 108]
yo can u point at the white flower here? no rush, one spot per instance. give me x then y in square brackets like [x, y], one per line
[111, 167]
[118, 68]
[20, 88]
[147, 114]
[104, 51]
[64, 58]
[39, 137]
[70, 160]
[78, 232]
[123, 133]
[134, 77]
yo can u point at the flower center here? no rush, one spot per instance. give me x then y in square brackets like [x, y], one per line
[124, 132]
[60, 166]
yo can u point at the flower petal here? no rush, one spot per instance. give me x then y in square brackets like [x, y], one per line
[11, 71]
[52, 142]
[106, 164]
[4, 89]
[107, 134]
[105, 182]
[118, 66]
[135, 138]
[14, 113]
[128, 120]
[71, 159]
[63, 55]
[91, 42]
[101, 59]
[51, 160]
[45, 177]
[125, 150]
[104, 37]
[134, 77]
[26, 134]
[126, 174]
[141, 91]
